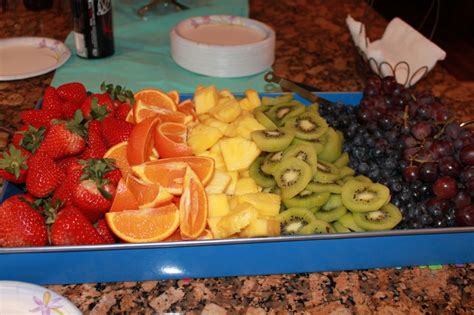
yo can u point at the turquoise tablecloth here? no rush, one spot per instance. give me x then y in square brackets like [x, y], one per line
[142, 52]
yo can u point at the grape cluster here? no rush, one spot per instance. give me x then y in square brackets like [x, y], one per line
[410, 142]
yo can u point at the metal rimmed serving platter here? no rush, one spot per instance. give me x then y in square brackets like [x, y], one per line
[238, 256]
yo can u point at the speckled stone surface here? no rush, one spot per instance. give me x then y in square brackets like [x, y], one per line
[314, 47]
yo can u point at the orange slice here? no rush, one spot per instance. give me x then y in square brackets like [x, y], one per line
[140, 142]
[123, 198]
[187, 107]
[174, 96]
[176, 236]
[155, 97]
[171, 140]
[169, 175]
[192, 207]
[146, 194]
[141, 111]
[119, 153]
[130, 118]
[144, 226]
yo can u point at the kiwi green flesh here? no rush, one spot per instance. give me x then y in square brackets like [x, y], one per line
[268, 100]
[332, 146]
[273, 140]
[333, 201]
[326, 173]
[304, 152]
[293, 220]
[280, 113]
[346, 171]
[271, 161]
[340, 228]
[318, 145]
[347, 220]
[364, 197]
[385, 218]
[262, 179]
[317, 227]
[314, 108]
[330, 215]
[321, 187]
[307, 126]
[292, 175]
[342, 161]
[264, 120]
[306, 199]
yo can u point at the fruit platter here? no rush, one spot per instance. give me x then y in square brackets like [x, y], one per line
[120, 185]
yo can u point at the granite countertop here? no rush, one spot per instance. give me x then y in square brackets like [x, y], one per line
[314, 47]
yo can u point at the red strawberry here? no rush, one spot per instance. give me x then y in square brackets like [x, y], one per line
[51, 101]
[43, 176]
[114, 176]
[38, 118]
[69, 109]
[118, 93]
[97, 106]
[28, 138]
[96, 146]
[104, 231]
[115, 131]
[122, 111]
[71, 227]
[64, 192]
[66, 163]
[74, 92]
[65, 138]
[13, 164]
[20, 224]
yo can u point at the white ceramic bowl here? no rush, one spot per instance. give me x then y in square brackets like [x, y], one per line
[230, 46]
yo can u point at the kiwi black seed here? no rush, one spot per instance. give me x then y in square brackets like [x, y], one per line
[306, 199]
[386, 218]
[272, 140]
[293, 220]
[307, 126]
[332, 146]
[280, 113]
[358, 196]
[305, 152]
[317, 227]
[262, 179]
[324, 187]
[271, 161]
[342, 161]
[326, 173]
[347, 220]
[292, 175]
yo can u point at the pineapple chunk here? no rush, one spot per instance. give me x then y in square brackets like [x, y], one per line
[246, 185]
[244, 173]
[261, 227]
[216, 230]
[238, 153]
[267, 204]
[202, 137]
[227, 110]
[203, 117]
[238, 219]
[219, 182]
[218, 205]
[218, 160]
[222, 126]
[226, 93]
[233, 202]
[205, 99]
[244, 103]
[253, 98]
[246, 125]
[234, 175]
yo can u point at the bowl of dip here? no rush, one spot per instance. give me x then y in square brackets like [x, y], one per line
[223, 45]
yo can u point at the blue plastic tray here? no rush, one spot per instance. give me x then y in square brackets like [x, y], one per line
[236, 257]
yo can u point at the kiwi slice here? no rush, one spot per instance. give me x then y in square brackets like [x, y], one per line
[304, 152]
[274, 190]
[324, 187]
[293, 220]
[340, 228]
[346, 171]
[332, 146]
[347, 221]
[342, 160]
[358, 196]
[307, 126]
[313, 108]
[386, 218]
[280, 113]
[269, 100]
[271, 161]
[333, 201]
[272, 140]
[306, 199]
[263, 119]
[292, 175]
[330, 215]
[317, 227]
[318, 145]
[262, 179]
[326, 173]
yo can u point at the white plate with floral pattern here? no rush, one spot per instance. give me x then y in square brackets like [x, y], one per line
[26, 298]
[27, 57]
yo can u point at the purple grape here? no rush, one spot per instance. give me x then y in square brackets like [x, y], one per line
[465, 216]
[467, 155]
[442, 148]
[445, 187]
[429, 172]
[453, 130]
[462, 199]
[422, 130]
[448, 166]
[411, 173]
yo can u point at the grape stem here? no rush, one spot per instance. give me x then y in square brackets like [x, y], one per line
[405, 117]
[440, 133]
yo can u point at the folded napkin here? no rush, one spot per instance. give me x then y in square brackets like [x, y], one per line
[402, 51]
[142, 56]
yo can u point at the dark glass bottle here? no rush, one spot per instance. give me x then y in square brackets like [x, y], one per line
[38, 5]
[93, 29]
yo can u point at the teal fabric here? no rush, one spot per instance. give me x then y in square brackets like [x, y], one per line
[142, 52]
